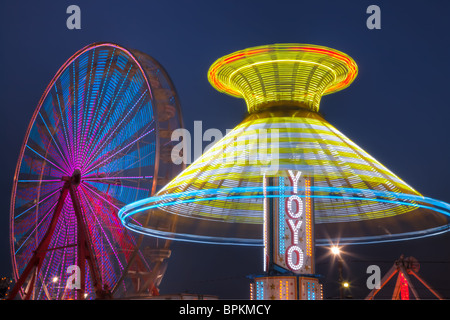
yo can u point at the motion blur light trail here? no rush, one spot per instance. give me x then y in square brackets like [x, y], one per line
[127, 212]
[219, 197]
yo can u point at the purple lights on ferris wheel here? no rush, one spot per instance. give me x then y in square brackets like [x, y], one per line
[91, 147]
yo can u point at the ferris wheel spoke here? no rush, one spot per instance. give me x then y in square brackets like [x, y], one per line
[50, 261]
[137, 163]
[109, 111]
[116, 170]
[101, 197]
[72, 71]
[40, 181]
[111, 108]
[36, 204]
[61, 114]
[105, 221]
[112, 218]
[127, 243]
[94, 220]
[102, 161]
[121, 193]
[88, 116]
[113, 132]
[106, 83]
[105, 209]
[47, 160]
[68, 99]
[61, 155]
[32, 231]
[52, 119]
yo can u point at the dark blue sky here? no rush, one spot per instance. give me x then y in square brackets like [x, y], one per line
[397, 109]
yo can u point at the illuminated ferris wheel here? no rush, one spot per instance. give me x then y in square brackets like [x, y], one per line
[98, 139]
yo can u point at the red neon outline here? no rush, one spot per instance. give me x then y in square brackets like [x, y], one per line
[352, 68]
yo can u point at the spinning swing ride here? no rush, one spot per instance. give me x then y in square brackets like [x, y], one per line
[284, 178]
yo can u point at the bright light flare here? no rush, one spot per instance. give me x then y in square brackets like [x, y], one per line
[335, 250]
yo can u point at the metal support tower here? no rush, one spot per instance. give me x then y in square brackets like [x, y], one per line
[404, 267]
[85, 252]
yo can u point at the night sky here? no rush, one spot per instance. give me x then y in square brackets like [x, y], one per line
[397, 109]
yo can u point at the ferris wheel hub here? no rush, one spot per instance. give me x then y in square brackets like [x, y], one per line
[74, 179]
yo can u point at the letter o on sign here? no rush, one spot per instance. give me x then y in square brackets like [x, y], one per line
[297, 263]
[294, 213]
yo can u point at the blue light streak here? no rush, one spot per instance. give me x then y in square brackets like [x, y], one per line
[257, 192]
